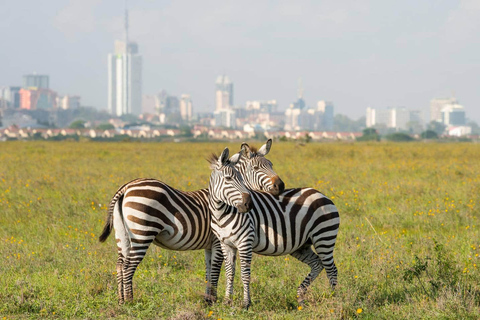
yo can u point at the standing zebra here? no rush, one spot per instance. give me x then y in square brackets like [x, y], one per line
[277, 225]
[147, 210]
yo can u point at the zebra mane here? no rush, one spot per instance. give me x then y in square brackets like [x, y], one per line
[213, 160]
[253, 149]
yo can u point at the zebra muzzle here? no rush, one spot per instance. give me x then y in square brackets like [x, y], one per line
[277, 186]
[246, 203]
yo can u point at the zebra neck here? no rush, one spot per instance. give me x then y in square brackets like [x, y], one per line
[218, 208]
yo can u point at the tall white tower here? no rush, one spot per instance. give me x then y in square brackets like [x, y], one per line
[125, 77]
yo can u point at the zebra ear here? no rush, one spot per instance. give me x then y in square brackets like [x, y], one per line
[246, 150]
[223, 157]
[235, 158]
[265, 149]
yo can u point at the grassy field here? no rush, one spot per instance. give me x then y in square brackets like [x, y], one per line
[408, 246]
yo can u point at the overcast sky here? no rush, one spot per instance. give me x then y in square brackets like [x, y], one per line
[357, 54]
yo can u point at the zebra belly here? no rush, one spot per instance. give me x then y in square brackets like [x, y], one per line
[166, 241]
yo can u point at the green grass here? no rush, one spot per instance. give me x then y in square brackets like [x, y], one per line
[408, 246]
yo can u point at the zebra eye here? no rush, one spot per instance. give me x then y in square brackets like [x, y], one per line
[228, 178]
[255, 167]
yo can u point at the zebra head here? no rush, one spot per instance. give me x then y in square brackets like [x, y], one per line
[257, 171]
[226, 184]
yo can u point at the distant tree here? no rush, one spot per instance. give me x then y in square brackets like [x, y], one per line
[186, 131]
[308, 138]
[129, 118]
[105, 126]
[429, 134]
[369, 134]
[283, 138]
[399, 137]
[77, 124]
[343, 123]
[474, 126]
[436, 126]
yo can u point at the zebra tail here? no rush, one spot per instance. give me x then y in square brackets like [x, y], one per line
[107, 229]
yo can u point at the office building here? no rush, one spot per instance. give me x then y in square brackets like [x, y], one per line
[36, 81]
[436, 106]
[186, 107]
[223, 93]
[38, 98]
[125, 77]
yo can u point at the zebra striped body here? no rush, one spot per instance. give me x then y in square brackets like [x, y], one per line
[146, 211]
[291, 223]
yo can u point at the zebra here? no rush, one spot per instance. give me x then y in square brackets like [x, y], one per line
[290, 223]
[257, 171]
[143, 211]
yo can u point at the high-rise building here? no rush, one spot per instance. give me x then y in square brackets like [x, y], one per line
[453, 115]
[186, 107]
[125, 77]
[10, 97]
[398, 118]
[325, 110]
[436, 106]
[68, 102]
[223, 93]
[38, 98]
[36, 80]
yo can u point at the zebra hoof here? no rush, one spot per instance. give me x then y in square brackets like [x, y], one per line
[247, 305]
[228, 302]
[210, 300]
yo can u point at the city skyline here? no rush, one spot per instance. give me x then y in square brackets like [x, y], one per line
[356, 55]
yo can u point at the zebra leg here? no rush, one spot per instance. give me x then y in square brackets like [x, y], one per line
[328, 264]
[120, 263]
[306, 255]
[134, 257]
[230, 256]
[208, 277]
[245, 263]
[216, 266]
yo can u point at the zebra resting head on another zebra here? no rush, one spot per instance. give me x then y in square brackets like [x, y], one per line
[257, 171]
[148, 211]
[301, 222]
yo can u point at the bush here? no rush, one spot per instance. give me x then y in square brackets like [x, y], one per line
[399, 137]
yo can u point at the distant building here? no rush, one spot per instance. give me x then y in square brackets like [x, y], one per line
[186, 107]
[125, 77]
[453, 115]
[256, 106]
[10, 97]
[38, 98]
[225, 118]
[36, 80]
[149, 104]
[68, 102]
[223, 93]
[436, 106]
[325, 110]
[398, 118]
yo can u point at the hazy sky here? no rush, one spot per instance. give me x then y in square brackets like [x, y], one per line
[354, 53]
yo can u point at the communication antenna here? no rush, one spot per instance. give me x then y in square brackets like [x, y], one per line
[300, 88]
[126, 27]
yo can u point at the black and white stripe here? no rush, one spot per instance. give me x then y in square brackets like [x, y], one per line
[257, 171]
[301, 222]
[146, 211]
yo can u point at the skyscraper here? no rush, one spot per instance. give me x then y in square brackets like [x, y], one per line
[36, 80]
[125, 77]
[186, 109]
[223, 93]
[436, 106]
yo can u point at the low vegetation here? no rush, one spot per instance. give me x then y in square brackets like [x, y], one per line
[408, 246]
